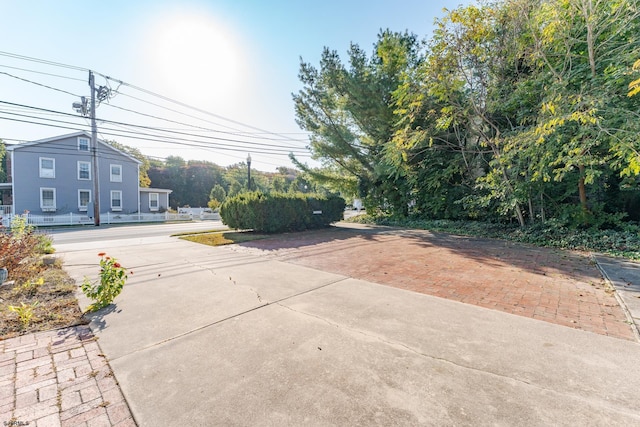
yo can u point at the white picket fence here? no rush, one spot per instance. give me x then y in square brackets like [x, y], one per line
[106, 218]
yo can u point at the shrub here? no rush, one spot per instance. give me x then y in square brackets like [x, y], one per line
[44, 244]
[278, 212]
[20, 226]
[20, 247]
[112, 278]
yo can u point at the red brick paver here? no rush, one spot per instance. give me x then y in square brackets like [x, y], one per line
[555, 286]
[59, 378]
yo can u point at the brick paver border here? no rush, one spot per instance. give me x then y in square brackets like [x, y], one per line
[59, 378]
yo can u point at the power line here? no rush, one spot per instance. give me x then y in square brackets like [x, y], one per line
[196, 108]
[260, 146]
[42, 61]
[52, 150]
[149, 92]
[192, 116]
[282, 137]
[249, 143]
[246, 134]
[42, 72]
[158, 138]
[39, 84]
[120, 82]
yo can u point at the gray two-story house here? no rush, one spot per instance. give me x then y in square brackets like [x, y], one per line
[55, 176]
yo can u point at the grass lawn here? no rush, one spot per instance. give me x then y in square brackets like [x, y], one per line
[219, 238]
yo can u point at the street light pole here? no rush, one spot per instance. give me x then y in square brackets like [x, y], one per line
[249, 171]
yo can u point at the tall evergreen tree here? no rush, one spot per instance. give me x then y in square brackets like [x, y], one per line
[350, 112]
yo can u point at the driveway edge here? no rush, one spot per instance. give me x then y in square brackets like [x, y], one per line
[619, 298]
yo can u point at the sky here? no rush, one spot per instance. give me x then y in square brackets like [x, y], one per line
[203, 80]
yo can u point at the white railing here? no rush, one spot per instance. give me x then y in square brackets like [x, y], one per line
[5, 210]
[200, 213]
[208, 216]
[105, 218]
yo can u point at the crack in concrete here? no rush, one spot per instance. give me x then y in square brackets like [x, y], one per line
[397, 344]
[199, 328]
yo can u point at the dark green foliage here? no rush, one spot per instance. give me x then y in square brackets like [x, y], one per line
[278, 212]
[511, 111]
[349, 109]
[191, 181]
[623, 242]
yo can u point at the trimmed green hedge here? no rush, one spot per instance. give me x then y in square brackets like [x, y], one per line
[278, 212]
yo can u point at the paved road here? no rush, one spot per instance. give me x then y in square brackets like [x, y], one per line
[104, 234]
[219, 336]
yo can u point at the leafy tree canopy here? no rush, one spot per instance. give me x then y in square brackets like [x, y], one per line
[513, 110]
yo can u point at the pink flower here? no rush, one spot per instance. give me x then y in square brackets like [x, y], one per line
[102, 254]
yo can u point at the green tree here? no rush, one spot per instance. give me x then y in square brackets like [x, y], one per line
[474, 68]
[634, 86]
[217, 196]
[350, 114]
[534, 93]
[587, 124]
[218, 193]
[200, 178]
[279, 184]
[237, 173]
[235, 188]
[174, 172]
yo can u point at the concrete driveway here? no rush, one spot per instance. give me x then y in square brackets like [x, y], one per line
[220, 336]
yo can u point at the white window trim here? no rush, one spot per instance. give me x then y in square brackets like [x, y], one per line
[47, 208]
[41, 170]
[88, 144]
[89, 168]
[157, 206]
[80, 207]
[115, 208]
[115, 178]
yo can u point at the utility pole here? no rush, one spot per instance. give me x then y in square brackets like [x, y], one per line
[94, 150]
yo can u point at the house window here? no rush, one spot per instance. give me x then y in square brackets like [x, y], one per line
[47, 167]
[83, 144]
[48, 199]
[116, 200]
[84, 198]
[84, 170]
[153, 201]
[116, 173]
